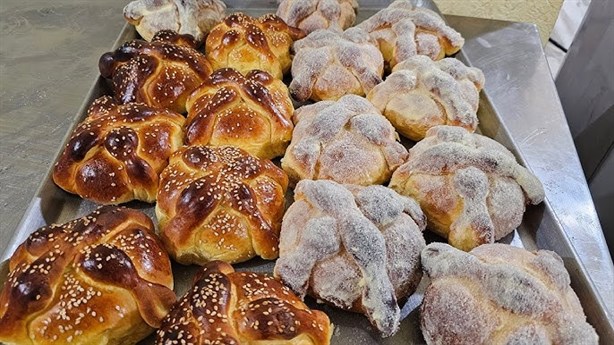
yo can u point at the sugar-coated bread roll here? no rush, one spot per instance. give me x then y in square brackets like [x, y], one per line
[253, 112]
[245, 43]
[357, 248]
[330, 64]
[192, 17]
[161, 73]
[311, 15]
[403, 30]
[116, 154]
[500, 294]
[228, 307]
[101, 279]
[470, 187]
[422, 93]
[347, 141]
[220, 203]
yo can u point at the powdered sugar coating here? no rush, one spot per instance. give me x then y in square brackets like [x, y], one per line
[336, 239]
[422, 93]
[499, 294]
[311, 15]
[347, 141]
[403, 31]
[329, 64]
[470, 187]
[193, 17]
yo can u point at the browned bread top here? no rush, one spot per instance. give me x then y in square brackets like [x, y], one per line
[246, 43]
[252, 112]
[101, 277]
[220, 203]
[161, 73]
[228, 307]
[116, 154]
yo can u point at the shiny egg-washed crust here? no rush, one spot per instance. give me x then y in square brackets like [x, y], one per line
[232, 308]
[347, 141]
[161, 73]
[220, 203]
[311, 15]
[330, 64]
[192, 17]
[253, 112]
[422, 93]
[356, 248]
[101, 279]
[403, 30]
[116, 154]
[499, 294]
[470, 187]
[245, 43]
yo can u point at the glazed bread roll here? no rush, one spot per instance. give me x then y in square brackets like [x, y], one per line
[311, 15]
[245, 43]
[422, 93]
[220, 203]
[403, 30]
[192, 17]
[356, 248]
[499, 294]
[253, 112]
[101, 279]
[161, 73]
[228, 307]
[347, 141]
[470, 187]
[330, 64]
[116, 154]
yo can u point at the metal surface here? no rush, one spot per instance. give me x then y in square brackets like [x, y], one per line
[519, 102]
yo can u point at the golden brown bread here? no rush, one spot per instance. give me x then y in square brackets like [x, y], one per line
[245, 43]
[220, 203]
[116, 154]
[499, 294]
[330, 64]
[347, 141]
[311, 15]
[252, 112]
[403, 30]
[191, 17]
[101, 279]
[422, 93]
[357, 248]
[161, 73]
[470, 187]
[228, 307]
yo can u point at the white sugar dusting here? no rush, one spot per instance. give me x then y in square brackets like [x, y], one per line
[311, 15]
[470, 186]
[336, 239]
[347, 141]
[509, 297]
[329, 64]
[403, 31]
[422, 93]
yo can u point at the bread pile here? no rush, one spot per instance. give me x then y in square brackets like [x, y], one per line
[344, 239]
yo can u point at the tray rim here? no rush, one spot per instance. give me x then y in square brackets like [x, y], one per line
[26, 223]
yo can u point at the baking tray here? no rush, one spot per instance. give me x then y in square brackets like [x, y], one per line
[541, 227]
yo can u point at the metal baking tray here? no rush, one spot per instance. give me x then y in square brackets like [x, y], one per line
[541, 228]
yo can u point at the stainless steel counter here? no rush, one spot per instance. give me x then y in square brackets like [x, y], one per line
[49, 54]
[48, 61]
